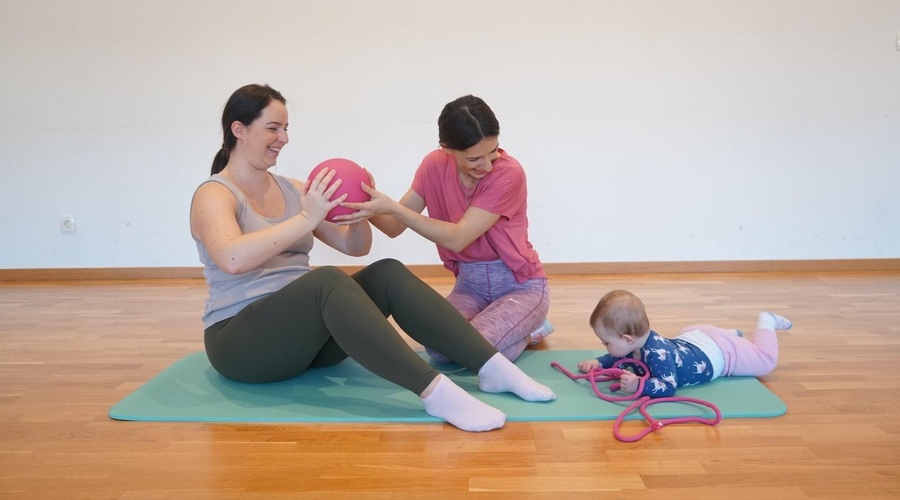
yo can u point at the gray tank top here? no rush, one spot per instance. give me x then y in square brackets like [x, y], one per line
[229, 293]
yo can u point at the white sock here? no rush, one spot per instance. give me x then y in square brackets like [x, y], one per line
[501, 375]
[772, 321]
[459, 408]
[546, 328]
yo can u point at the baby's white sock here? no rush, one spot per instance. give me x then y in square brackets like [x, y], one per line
[501, 375]
[772, 321]
[449, 402]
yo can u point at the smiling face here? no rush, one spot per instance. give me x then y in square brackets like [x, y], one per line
[476, 162]
[263, 139]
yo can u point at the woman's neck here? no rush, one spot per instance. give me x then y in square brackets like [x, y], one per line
[468, 183]
[250, 180]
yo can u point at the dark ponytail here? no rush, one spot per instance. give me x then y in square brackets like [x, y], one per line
[219, 161]
[464, 122]
[245, 105]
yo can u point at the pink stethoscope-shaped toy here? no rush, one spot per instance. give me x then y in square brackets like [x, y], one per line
[641, 403]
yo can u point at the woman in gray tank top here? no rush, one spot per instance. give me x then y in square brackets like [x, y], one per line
[270, 316]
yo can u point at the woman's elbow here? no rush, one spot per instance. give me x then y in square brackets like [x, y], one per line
[232, 266]
[360, 251]
[393, 232]
[457, 245]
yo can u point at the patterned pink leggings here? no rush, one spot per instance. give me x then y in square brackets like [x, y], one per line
[743, 357]
[503, 310]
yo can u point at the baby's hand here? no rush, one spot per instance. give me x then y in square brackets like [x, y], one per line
[628, 382]
[588, 365]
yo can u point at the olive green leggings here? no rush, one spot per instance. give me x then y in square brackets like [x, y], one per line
[326, 315]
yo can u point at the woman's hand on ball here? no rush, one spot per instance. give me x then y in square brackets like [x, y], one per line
[316, 196]
[378, 204]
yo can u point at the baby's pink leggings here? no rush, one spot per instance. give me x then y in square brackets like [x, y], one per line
[743, 357]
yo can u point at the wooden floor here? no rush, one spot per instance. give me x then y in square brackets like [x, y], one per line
[69, 351]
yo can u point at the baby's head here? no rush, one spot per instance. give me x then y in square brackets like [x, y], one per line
[620, 322]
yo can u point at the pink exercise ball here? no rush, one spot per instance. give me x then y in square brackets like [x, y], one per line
[351, 174]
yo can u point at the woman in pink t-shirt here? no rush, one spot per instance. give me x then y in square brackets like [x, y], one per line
[476, 197]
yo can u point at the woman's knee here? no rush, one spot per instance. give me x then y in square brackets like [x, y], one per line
[325, 276]
[383, 271]
[389, 265]
[327, 273]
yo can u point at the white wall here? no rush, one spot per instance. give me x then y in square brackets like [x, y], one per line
[651, 130]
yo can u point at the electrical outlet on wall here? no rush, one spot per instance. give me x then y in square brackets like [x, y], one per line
[67, 224]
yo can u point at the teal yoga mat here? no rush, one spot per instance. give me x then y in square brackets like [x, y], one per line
[191, 391]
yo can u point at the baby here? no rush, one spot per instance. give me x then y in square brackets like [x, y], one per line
[700, 353]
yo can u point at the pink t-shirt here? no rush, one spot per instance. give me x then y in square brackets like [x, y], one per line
[503, 191]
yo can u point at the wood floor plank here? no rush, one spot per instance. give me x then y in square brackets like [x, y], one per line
[70, 350]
